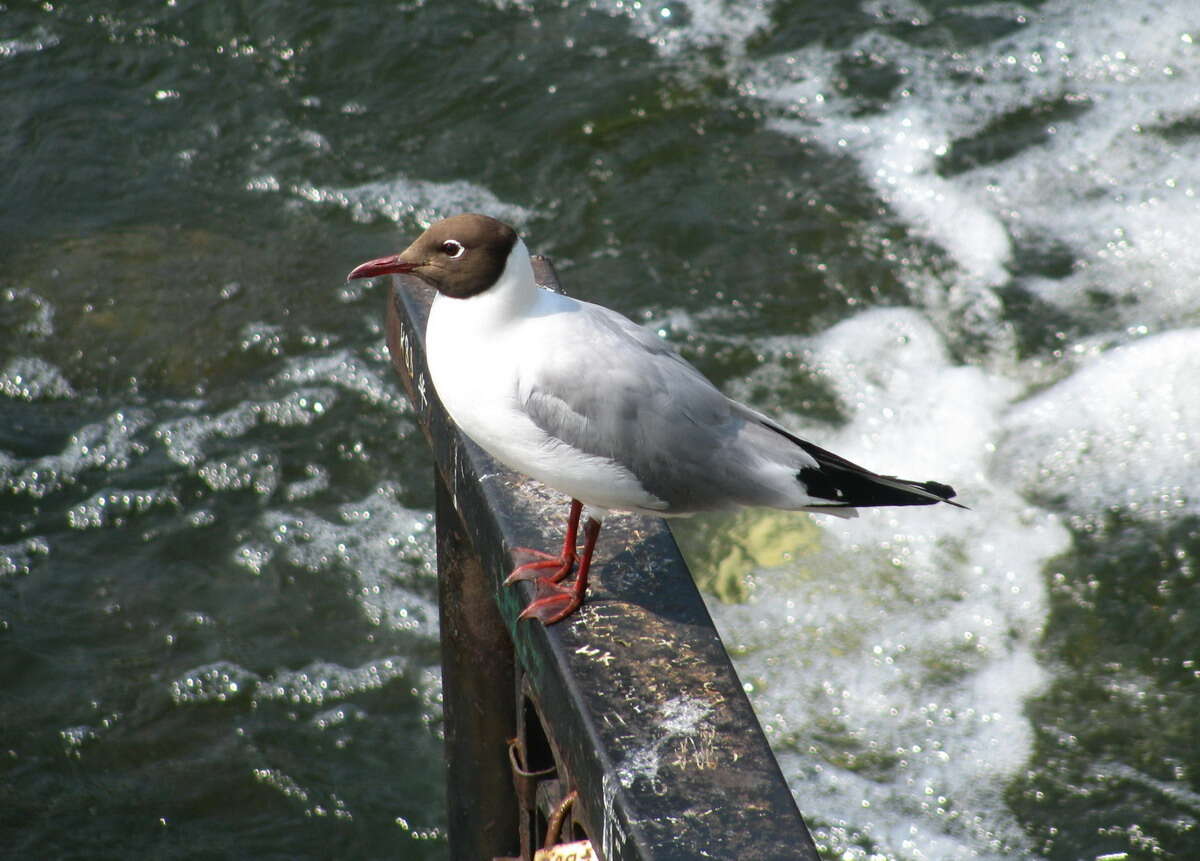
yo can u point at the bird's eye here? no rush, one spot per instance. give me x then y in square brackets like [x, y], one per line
[453, 249]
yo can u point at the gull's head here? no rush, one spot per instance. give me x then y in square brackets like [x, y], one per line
[461, 256]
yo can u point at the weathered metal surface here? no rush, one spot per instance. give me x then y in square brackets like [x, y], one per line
[639, 697]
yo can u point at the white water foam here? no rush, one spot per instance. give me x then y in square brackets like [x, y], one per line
[891, 666]
[42, 39]
[420, 200]
[111, 445]
[1119, 433]
[678, 26]
[321, 684]
[387, 549]
[32, 379]
[18, 559]
[1112, 179]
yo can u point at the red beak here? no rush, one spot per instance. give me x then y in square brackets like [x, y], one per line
[381, 266]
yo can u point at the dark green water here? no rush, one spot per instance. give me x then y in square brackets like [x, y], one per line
[950, 240]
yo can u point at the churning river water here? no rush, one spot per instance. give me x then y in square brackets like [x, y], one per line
[947, 240]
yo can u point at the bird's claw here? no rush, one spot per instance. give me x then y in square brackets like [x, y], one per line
[554, 602]
[524, 555]
[563, 565]
[529, 571]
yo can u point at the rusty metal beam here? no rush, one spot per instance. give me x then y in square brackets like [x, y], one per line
[477, 697]
[640, 701]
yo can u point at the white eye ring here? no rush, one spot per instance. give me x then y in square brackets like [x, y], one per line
[453, 249]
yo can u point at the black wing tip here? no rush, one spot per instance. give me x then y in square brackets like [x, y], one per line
[849, 485]
[945, 491]
[863, 489]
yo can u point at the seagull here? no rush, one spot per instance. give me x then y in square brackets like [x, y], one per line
[601, 409]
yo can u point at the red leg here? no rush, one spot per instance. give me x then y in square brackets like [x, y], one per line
[564, 562]
[554, 602]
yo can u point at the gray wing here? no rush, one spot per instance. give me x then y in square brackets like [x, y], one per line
[616, 390]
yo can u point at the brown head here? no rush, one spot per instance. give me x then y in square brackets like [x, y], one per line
[460, 256]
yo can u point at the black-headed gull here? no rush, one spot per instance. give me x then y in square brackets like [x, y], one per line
[601, 409]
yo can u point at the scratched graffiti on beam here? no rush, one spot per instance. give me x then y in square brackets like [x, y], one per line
[612, 835]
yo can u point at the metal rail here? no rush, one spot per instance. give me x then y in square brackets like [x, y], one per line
[632, 702]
